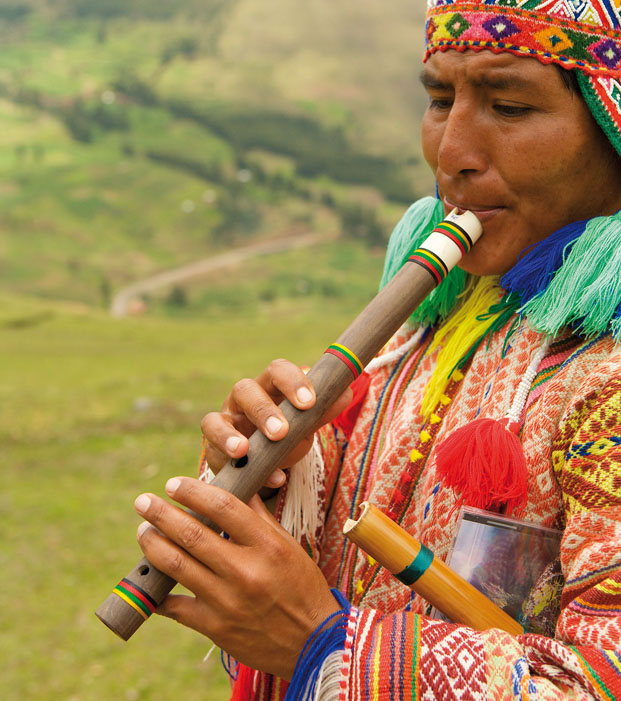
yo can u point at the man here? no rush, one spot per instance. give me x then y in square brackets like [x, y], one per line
[535, 156]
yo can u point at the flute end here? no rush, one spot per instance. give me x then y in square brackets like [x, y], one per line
[468, 221]
[351, 523]
[348, 525]
[123, 625]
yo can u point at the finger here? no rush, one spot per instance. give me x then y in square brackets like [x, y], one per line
[276, 479]
[179, 607]
[223, 441]
[260, 408]
[282, 378]
[210, 617]
[217, 505]
[190, 612]
[182, 530]
[306, 443]
[174, 561]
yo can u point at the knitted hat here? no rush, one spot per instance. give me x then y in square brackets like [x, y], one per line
[584, 35]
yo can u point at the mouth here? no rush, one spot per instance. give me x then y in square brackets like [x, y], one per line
[483, 212]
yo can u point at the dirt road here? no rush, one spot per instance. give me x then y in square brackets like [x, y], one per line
[124, 297]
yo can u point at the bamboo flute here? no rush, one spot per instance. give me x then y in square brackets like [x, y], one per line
[415, 565]
[137, 595]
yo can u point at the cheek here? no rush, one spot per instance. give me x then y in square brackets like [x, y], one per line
[541, 174]
[553, 157]
[430, 141]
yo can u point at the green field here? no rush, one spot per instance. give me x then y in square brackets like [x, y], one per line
[94, 411]
[138, 136]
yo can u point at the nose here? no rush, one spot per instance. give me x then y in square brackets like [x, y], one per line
[461, 146]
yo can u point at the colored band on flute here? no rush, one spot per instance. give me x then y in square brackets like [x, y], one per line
[136, 597]
[419, 565]
[446, 244]
[431, 262]
[456, 234]
[346, 356]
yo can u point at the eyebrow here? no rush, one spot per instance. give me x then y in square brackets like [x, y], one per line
[505, 81]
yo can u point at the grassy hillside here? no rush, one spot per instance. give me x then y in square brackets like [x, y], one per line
[94, 411]
[143, 135]
[139, 135]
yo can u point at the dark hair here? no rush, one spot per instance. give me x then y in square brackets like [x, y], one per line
[569, 78]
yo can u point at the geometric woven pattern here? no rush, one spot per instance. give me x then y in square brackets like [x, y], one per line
[583, 35]
[589, 464]
[570, 436]
[397, 654]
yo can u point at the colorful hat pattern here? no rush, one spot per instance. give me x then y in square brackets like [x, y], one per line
[584, 35]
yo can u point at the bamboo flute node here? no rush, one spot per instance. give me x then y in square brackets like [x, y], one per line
[414, 564]
[137, 595]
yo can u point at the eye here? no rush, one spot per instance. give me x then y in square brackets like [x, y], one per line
[440, 103]
[508, 110]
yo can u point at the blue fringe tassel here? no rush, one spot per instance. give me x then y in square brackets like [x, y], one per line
[534, 270]
[327, 638]
[230, 665]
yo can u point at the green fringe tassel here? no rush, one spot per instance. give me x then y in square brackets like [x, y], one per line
[586, 290]
[417, 223]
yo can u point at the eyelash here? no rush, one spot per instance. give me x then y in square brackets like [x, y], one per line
[439, 104]
[508, 111]
[511, 110]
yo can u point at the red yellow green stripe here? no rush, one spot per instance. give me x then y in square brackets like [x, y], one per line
[592, 675]
[431, 262]
[416, 659]
[456, 234]
[136, 597]
[346, 356]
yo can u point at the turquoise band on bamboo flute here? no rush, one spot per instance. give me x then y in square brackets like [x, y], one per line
[419, 565]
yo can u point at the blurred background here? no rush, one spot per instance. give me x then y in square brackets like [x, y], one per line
[188, 189]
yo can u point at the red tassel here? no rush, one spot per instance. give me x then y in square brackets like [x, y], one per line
[484, 463]
[248, 684]
[243, 689]
[346, 420]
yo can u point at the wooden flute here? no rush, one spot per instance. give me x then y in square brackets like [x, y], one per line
[138, 594]
[415, 565]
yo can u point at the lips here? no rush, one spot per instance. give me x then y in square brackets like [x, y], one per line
[483, 212]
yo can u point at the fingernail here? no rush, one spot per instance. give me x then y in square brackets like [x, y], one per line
[142, 503]
[232, 444]
[142, 528]
[304, 395]
[276, 479]
[273, 425]
[172, 485]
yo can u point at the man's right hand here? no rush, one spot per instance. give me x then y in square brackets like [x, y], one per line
[252, 405]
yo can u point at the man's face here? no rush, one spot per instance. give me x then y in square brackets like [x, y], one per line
[508, 140]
